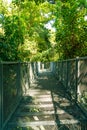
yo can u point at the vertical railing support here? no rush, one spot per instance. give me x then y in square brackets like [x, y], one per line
[76, 96]
[18, 80]
[1, 95]
[66, 74]
[61, 71]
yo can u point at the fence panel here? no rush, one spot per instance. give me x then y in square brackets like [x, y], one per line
[64, 74]
[25, 76]
[72, 77]
[11, 88]
[60, 71]
[82, 82]
[55, 69]
[14, 82]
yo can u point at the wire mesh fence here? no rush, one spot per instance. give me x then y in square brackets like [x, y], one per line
[11, 88]
[73, 75]
[15, 79]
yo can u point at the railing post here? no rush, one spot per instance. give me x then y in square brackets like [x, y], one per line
[18, 80]
[66, 75]
[1, 95]
[76, 79]
[57, 70]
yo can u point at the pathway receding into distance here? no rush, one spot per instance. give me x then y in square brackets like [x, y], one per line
[46, 106]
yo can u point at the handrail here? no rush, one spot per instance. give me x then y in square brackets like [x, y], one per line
[73, 75]
[77, 58]
[9, 62]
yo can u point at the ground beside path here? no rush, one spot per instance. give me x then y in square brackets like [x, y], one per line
[46, 107]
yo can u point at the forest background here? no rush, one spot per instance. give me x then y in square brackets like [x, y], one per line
[41, 30]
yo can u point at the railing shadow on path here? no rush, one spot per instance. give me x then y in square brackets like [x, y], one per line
[25, 76]
[64, 108]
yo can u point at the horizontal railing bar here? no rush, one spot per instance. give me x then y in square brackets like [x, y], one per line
[77, 58]
[14, 62]
[82, 58]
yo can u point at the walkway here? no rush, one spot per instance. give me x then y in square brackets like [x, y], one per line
[46, 107]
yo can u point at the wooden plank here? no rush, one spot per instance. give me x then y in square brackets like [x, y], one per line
[34, 113]
[36, 92]
[27, 124]
[72, 121]
[59, 112]
[43, 100]
[38, 100]
[44, 123]
[37, 106]
[40, 95]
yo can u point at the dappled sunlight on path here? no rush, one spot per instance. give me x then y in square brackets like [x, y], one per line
[46, 106]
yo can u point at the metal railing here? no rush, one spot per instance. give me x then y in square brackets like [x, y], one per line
[15, 80]
[72, 74]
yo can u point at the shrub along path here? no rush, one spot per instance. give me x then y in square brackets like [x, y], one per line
[46, 107]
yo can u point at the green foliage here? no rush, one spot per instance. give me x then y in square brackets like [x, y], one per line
[23, 35]
[24, 31]
[71, 28]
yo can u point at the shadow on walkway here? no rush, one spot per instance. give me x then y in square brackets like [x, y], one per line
[46, 107]
[67, 114]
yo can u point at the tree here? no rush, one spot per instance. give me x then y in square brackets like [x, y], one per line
[24, 29]
[71, 28]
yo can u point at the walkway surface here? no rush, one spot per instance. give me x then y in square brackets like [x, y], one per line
[46, 107]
